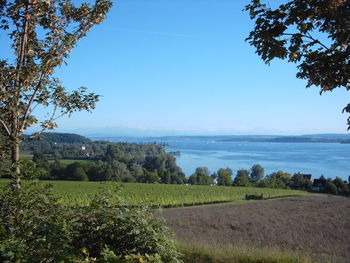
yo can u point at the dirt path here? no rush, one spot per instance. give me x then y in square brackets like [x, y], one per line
[314, 225]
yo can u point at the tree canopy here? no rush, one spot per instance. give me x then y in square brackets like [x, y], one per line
[313, 34]
[41, 34]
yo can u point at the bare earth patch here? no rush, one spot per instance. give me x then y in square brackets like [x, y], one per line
[318, 226]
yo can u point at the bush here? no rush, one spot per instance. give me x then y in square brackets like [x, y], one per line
[331, 188]
[34, 227]
[124, 231]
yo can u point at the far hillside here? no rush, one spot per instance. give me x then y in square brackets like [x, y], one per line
[74, 157]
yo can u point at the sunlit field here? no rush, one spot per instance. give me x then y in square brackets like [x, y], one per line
[165, 195]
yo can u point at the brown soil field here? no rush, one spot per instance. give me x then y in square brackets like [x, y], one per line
[318, 226]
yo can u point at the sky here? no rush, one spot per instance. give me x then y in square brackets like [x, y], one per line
[183, 67]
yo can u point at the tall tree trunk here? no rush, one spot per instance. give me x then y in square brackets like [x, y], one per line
[15, 160]
[16, 132]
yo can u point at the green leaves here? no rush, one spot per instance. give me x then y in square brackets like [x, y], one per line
[43, 33]
[34, 227]
[313, 34]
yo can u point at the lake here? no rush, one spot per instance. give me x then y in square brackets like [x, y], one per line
[328, 159]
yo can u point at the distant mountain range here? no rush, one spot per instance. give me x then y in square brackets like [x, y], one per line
[128, 134]
[310, 138]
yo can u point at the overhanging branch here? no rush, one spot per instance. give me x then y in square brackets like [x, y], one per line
[309, 37]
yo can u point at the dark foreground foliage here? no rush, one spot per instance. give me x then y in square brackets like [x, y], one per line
[35, 227]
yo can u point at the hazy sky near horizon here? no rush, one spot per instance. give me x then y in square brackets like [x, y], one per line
[184, 65]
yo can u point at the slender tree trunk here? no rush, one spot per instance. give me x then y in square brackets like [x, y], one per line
[15, 124]
[15, 160]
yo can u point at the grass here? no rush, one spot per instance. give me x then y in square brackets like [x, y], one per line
[202, 254]
[70, 161]
[286, 228]
[26, 155]
[80, 193]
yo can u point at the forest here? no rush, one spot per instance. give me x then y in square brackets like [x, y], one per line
[76, 158]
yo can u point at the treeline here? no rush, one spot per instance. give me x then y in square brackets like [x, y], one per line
[123, 162]
[54, 137]
[255, 177]
[58, 146]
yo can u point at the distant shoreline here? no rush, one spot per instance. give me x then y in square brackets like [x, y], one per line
[322, 138]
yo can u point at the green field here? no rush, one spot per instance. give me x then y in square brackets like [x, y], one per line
[165, 195]
[70, 161]
[26, 155]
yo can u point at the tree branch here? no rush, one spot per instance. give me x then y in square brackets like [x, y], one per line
[26, 114]
[33, 108]
[317, 41]
[5, 127]
[19, 66]
[52, 118]
[309, 37]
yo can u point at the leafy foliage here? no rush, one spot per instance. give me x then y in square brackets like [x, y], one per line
[298, 181]
[257, 173]
[102, 160]
[224, 176]
[313, 34]
[242, 178]
[35, 227]
[32, 227]
[201, 177]
[42, 35]
[279, 179]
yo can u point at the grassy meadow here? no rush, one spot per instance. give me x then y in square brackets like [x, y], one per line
[164, 195]
[205, 254]
[70, 161]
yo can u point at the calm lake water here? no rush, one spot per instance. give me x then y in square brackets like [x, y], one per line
[328, 159]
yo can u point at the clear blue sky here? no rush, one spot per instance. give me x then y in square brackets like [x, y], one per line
[183, 65]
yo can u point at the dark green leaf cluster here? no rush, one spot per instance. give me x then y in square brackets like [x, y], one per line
[336, 186]
[314, 34]
[34, 227]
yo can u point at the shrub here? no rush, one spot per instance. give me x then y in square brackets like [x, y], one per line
[331, 188]
[104, 226]
[34, 227]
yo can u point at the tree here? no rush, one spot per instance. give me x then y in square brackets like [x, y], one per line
[299, 181]
[42, 34]
[201, 177]
[313, 34]
[202, 170]
[242, 178]
[282, 177]
[277, 179]
[224, 176]
[256, 173]
[331, 187]
[148, 177]
[342, 187]
[193, 179]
